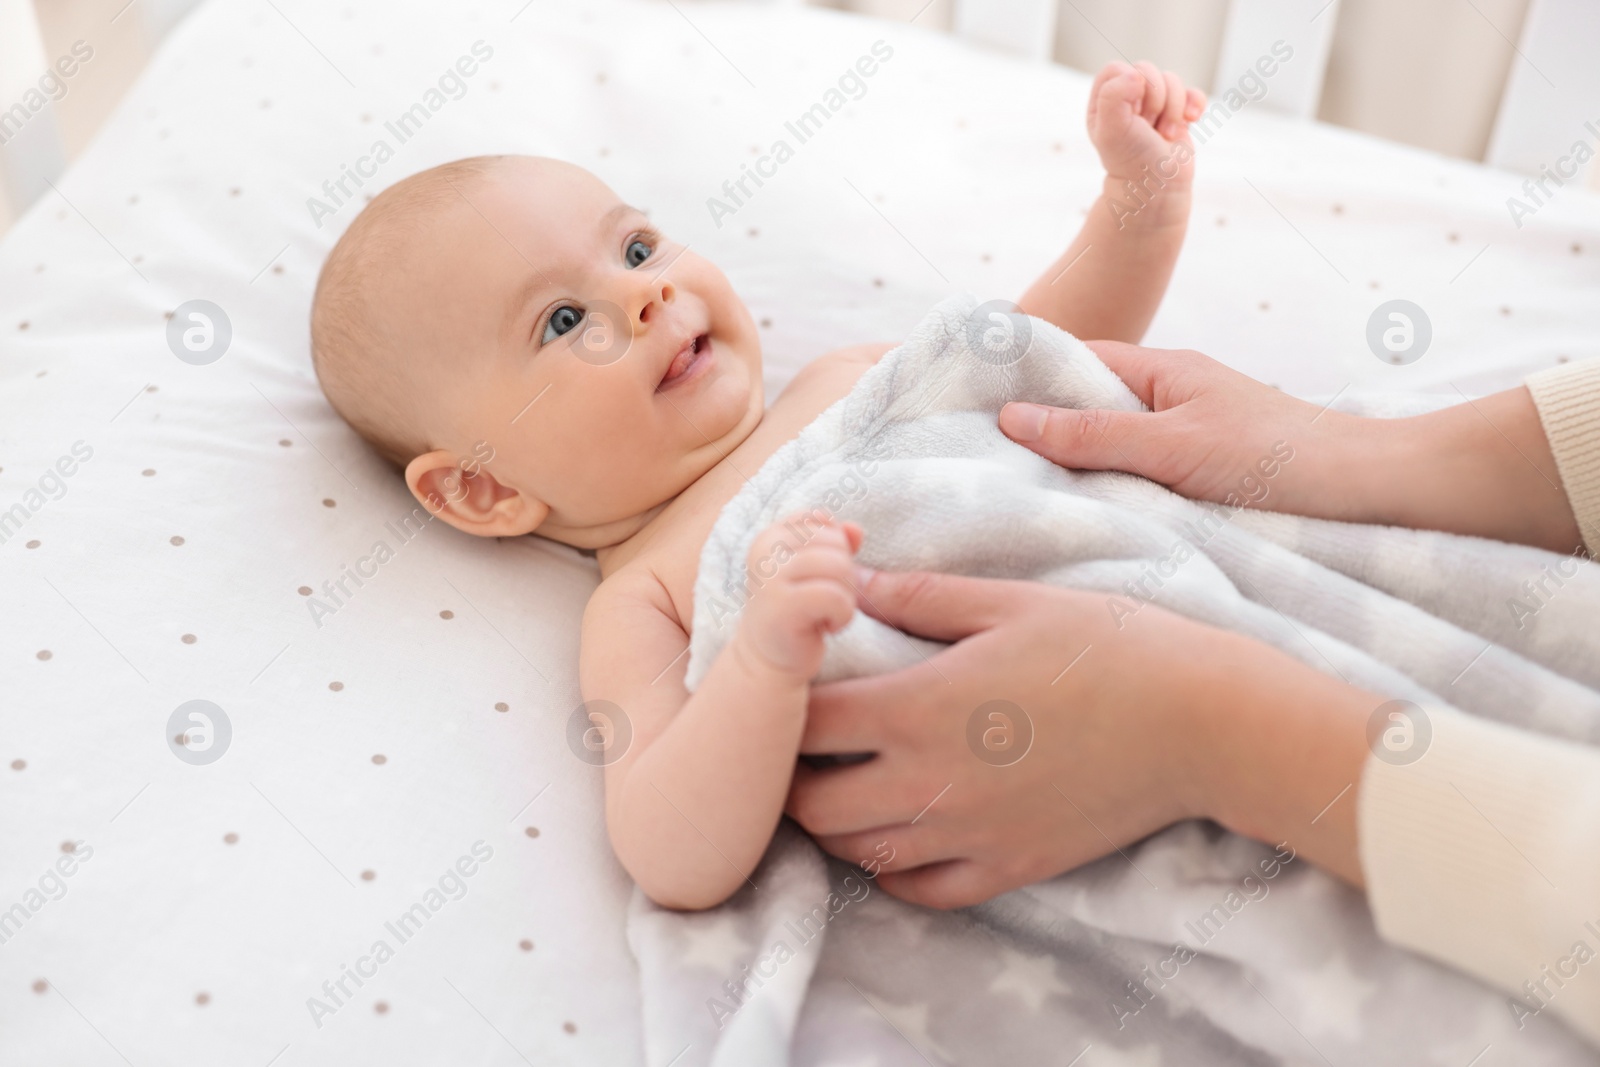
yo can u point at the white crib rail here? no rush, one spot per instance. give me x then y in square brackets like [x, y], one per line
[1552, 89]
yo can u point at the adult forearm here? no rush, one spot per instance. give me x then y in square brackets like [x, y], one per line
[1110, 280]
[1284, 753]
[1482, 467]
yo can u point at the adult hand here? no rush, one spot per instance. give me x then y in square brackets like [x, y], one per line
[1133, 729]
[1483, 467]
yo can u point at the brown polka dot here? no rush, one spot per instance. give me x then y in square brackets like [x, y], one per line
[266, 104]
[188, 639]
[167, 315]
[1056, 147]
[570, 1027]
[149, 472]
[1372, 285]
[502, 706]
[1505, 311]
[285, 442]
[1576, 248]
[277, 268]
[336, 686]
[176, 540]
[605, 151]
[18, 764]
[532, 831]
[23, 325]
[202, 999]
[134, 199]
[766, 324]
[447, 614]
[600, 79]
[1221, 221]
[381, 1007]
[380, 759]
[1452, 237]
[234, 191]
[230, 839]
[754, 232]
[69, 846]
[1338, 209]
[367, 876]
[525, 945]
[304, 590]
[329, 502]
[33, 544]
[1265, 306]
[43, 653]
[1561, 359]
[40, 985]
[151, 388]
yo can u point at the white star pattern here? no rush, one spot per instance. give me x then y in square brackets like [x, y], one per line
[1330, 998]
[1033, 978]
[911, 1021]
[714, 942]
[1106, 1056]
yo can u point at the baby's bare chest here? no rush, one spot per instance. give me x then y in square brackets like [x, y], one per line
[674, 557]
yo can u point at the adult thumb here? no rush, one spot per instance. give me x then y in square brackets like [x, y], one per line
[942, 607]
[1093, 439]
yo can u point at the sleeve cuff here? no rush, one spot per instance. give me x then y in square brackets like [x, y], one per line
[1482, 854]
[1568, 400]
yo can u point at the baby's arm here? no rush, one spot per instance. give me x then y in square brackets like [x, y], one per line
[1109, 282]
[693, 801]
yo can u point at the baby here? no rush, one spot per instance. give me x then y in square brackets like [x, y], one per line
[537, 357]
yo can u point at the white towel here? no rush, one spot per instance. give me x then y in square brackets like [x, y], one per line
[914, 455]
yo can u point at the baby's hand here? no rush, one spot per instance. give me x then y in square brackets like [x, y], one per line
[1138, 116]
[801, 580]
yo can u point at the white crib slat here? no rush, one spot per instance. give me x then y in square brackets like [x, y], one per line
[1253, 26]
[1551, 92]
[1025, 28]
[30, 139]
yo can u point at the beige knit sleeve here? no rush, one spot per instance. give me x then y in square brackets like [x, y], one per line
[1485, 854]
[1568, 399]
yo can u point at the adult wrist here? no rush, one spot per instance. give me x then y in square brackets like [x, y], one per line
[1278, 752]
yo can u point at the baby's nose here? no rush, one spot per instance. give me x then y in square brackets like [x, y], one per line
[663, 293]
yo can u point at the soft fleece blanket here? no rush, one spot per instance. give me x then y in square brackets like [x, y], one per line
[1258, 958]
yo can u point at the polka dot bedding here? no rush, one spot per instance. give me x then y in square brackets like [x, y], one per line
[286, 771]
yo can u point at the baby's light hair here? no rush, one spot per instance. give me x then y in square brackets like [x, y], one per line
[363, 366]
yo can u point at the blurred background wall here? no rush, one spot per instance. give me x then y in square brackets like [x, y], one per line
[1428, 73]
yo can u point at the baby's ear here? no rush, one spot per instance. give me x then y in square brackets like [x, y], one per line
[469, 498]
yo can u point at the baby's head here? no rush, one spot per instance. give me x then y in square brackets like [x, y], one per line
[532, 352]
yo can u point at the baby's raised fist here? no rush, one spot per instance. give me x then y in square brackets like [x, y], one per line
[801, 572]
[1138, 115]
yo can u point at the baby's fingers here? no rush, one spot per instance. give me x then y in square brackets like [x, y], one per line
[1155, 91]
[1170, 124]
[1196, 105]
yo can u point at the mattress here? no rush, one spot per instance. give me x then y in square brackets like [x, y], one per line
[377, 842]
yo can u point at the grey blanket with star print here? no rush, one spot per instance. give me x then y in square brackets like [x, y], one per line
[1196, 946]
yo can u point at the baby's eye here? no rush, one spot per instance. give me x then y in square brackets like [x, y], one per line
[638, 251]
[563, 319]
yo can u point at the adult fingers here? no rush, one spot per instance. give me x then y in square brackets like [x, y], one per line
[1138, 367]
[952, 884]
[1093, 439]
[943, 607]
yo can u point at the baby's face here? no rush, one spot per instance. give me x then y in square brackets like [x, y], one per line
[606, 366]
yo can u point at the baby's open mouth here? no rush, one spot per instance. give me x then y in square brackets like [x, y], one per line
[695, 352]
